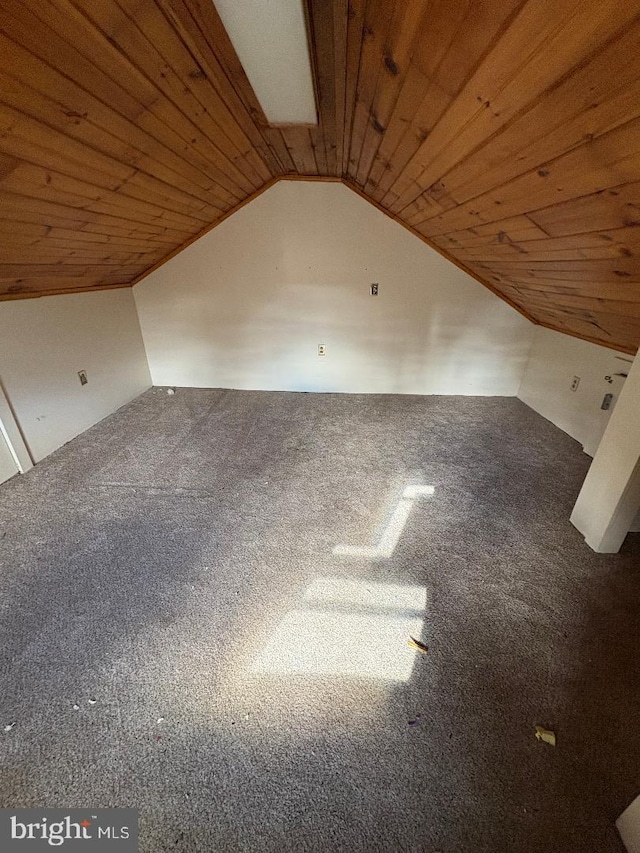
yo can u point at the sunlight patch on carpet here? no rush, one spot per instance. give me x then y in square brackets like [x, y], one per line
[347, 626]
[389, 537]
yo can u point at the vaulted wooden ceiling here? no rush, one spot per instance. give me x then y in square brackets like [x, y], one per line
[506, 133]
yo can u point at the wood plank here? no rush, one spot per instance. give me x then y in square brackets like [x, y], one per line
[619, 292]
[378, 16]
[611, 330]
[48, 185]
[544, 41]
[591, 339]
[78, 241]
[88, 118]
[423, 97]
[151, 46]
[300, 146]
[71, 257]
[278, 144]
[393, 65]
[453, 41]
[320, 15]
[586, 104]
[22, 233]
[608, 269]
[11, 272]
[193, 87]
[53, 214]
[423, 208]
[615, 325]
[603, 210]
[623, 242]
[120, 85]
[186, 84]
[200, 27]
[599, 308]
[53, 290]
[319, 164]
[340, 29]
[605, 162]
[514, 229]
[80, 139]
[552, 280]
[41, 277]
[21, 135]
[355, 27]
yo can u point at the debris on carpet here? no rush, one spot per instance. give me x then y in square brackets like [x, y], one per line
[416, 644]
[545, 735]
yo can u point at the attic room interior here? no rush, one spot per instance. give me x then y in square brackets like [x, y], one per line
[320, 425]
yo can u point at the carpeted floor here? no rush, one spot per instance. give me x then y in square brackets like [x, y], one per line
[223, 584]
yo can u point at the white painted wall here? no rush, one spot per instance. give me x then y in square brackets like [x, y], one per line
[12, 436]
[8, 466]
[546, 386]
[45, 342]
[247, 305]
[610, 496]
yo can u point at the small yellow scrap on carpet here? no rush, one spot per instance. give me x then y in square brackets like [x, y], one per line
[416, 644]
[545, 735]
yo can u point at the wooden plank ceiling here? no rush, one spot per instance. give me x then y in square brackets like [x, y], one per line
[506, 133]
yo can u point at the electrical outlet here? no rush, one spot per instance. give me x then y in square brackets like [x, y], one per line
[322, 350]
[374, 289]
[82, 374]
[575, 382]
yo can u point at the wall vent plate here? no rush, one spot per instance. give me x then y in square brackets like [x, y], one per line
[82, 375]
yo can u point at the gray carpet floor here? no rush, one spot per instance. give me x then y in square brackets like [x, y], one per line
[222, 583]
